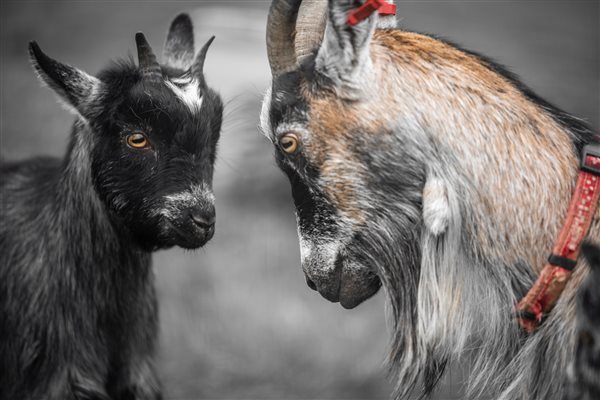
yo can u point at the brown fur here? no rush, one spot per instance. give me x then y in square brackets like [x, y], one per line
[435, 168]
[527, 135]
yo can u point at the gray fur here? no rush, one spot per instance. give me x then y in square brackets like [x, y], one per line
[343, 56]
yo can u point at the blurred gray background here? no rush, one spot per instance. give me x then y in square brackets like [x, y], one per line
[237, 320]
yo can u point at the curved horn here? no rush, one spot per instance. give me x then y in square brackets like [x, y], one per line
[147, 60]
[281, 26]
[198, 66]
[310, 28]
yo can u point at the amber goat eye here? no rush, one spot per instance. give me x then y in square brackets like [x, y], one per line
[289, 143]
[137, 140]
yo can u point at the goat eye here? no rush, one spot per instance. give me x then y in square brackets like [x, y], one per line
[138, 141]
[289, 143]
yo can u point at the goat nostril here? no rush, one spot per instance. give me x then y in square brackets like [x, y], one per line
[203, 221]
[311, 284]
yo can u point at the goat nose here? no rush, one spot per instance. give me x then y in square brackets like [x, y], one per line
[325, 281]
[310, 283]
[204, 220]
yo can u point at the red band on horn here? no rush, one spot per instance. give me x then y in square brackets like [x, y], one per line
[387, 9]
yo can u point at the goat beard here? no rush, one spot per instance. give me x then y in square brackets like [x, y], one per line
[393, 248]
[426, 339]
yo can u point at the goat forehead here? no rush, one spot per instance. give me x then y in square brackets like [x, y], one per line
[285, 102]
[181, 95]
[331, 130]
[331, 147]
[151, 101]
[326, 116]
[165, 115]
[187, 90]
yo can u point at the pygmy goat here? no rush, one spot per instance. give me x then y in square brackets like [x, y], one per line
[585, 372]
[78, 312]
[424, 168]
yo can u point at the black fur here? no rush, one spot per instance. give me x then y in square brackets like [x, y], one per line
[585, 377]
[78, 312]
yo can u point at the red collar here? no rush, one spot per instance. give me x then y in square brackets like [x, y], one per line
[553, 279]
[368, 8]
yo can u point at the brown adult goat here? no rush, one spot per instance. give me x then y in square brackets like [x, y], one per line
[433, 171]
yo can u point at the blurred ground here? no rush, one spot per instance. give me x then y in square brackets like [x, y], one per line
[237, 318]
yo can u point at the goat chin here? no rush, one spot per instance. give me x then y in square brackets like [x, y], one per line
[357, 287]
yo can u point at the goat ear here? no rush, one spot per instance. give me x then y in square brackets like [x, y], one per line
[179, 47]
[74, 87]
[344, 53]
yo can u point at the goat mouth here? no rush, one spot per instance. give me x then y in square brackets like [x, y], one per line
[188, 239]
[350, 286]
[353, 294]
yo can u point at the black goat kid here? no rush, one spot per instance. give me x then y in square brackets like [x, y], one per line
[78, 313]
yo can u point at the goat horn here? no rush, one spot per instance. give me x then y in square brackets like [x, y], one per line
[198, 66]
[281, 26]
[147, 60]
[310, 28]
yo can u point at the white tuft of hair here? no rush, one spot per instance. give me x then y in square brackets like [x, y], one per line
[188, 93]
[436, 210]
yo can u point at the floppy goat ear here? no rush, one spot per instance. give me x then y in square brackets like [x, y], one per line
[179, 47]
[344, 53]
[74, 87]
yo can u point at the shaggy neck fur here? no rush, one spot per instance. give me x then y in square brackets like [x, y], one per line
[109, 261]
[499, 172]
[76, 195]
[90, 305]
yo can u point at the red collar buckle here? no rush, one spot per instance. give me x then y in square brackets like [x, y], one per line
[368, 8]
